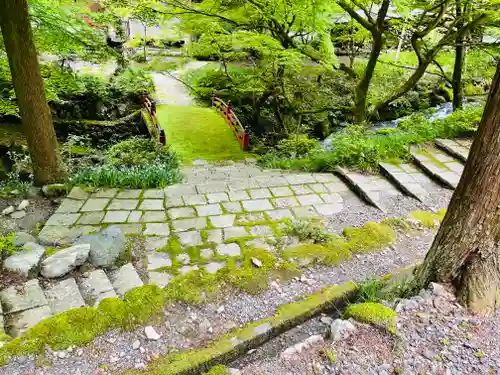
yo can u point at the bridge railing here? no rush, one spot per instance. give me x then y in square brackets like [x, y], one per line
[150, 107]
[234, 123]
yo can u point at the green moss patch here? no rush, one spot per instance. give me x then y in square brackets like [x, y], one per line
[80, 326]
[440, 214]
[372, 313]
[334, 251]
[371, 236]
[218, 370]
[427, 219]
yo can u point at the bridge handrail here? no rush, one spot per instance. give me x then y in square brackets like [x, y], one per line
[234, 123]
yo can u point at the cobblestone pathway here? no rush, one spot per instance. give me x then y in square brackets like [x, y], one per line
[214, 205]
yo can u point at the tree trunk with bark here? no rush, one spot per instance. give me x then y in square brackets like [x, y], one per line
[466, 250]
[28, 85]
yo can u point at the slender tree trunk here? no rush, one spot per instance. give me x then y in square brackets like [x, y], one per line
[364, 84]
[466, 250]
[456, 80]
[28, 85]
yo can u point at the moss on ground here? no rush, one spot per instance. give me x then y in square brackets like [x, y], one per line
[80, 326]
[427, 219]
[371, 236]
[199, 133]
[288, 315]
[334, 251]
[218, 370]
[372, 313]
[397, 224]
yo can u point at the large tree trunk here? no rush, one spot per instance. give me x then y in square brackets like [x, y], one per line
[28, 85]
[466, 250]
[456, 81]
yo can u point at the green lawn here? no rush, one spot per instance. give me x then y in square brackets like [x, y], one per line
[198, 133]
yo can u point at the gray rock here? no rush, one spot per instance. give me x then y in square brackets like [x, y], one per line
[22, 238]
[438, 289]
[341, 329]
[8, 210]
[25, 262]
[205, 325]
[151, 333]
[162, 279]
[136, 345]
[65, 261]
[256, 262]
[105, 246]
[22, 206]
[54, 190]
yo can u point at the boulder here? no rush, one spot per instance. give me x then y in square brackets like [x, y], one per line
[54, 190]
[23, 238]
[65, 261]
[26, 261]
[105, 246]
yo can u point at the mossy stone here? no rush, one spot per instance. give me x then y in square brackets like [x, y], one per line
[371, 236]
[372, 313]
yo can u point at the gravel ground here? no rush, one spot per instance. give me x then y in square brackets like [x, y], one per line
[37, 213]
[436, 336]
[187, 326]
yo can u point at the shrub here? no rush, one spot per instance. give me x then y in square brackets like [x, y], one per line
[138, 152]
[361, 148]
[297, 145]
[133, 83]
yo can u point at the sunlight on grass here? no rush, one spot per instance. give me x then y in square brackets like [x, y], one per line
[198, 133]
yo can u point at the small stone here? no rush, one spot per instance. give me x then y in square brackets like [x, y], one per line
[234, 371]
[22, 206]
[256, 262]
[206, 253]
[136, 345]
[183, 259]
[61, 355]
[114, 359]
[8, 210]
[341, 329]
[205, 325]
[221, 309]
[151, 334]
[438, 289]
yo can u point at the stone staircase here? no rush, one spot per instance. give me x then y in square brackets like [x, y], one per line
[219, 200]
[25, 305]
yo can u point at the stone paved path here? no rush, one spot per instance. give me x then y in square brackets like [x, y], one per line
[171, 91]
[213, 206]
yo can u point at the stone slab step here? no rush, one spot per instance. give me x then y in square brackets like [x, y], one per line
[24, 306]
[64, 296]
[438, 165]
[363, 187]
[95, 287]
[125, 279]
[406, 182]
[453, 148]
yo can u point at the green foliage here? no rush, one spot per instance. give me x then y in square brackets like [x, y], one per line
[158, 174]
[427, 219]
[359, 148]
[297, 145]
[307, 230]
[371, 236]
[334, 251]
[372, 313]
[7, 244]
[133, 83]
[139, 152]
[370, 291]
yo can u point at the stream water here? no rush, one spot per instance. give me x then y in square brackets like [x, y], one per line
[432, 114]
